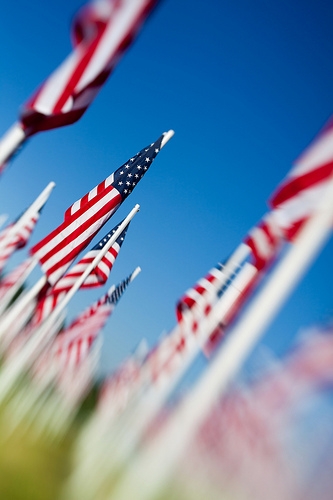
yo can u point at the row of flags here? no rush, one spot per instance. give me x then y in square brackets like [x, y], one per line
[59, 362]
[57, 251]
[207, 309]
[225, 288]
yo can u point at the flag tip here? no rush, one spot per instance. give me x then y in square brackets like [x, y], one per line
[136, 271]
[167, 137]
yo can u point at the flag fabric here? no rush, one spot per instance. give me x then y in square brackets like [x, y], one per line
[264, 240]
[101, 32]
[263, 243]
[50, 297]
[166, 358]
[196, 294]
[103, 306]
[296, 198]
[74, 343]
[12, 240]
[99, 275]
[86, 216]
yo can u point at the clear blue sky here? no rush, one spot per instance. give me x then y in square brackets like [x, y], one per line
[245, 85]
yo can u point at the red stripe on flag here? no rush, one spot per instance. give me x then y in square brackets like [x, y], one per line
[293, 186]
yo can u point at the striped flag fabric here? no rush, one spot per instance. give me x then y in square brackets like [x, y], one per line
[103, 306]
[101, 272]
[74, 343]
[262, 244]
[258, 250]
[86, 216]
[264, 240]
[15, 240]
[101, 32]
[50, 297]
[296, 198]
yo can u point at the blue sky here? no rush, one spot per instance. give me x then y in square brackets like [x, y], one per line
[245, 85]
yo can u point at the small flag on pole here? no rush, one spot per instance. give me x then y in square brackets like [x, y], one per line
[50, 297]
[75, 341]
[101, 32]
[16, 235]
[86, 216]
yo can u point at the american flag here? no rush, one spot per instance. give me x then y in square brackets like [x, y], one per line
[106, 303]
[101, 32]
[265, 241]
[50, 297]
[12, 240]
[86, 216]
[74, 342]
[259, 248]
[295, 200]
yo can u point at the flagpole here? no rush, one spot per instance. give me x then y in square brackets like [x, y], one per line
[91, 266]
[130, 427]
[152, 400]
[32, 210]
[167, 137]
[10, 142]
[11, 371]
[161, 456]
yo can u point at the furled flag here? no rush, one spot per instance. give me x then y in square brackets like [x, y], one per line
[50, 297]
[75, 342]
[258, 249]
[101, 32]
[12, 240]
[296, 198]
[86, 216]
[254, 255]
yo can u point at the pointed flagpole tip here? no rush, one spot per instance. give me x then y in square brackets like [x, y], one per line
[136, 271]
[167, 137]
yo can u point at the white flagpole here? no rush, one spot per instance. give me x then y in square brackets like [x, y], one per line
[91, 266]
[135, 422]
[11, 371]
[161, 456]
[129, 428]
[33, 209]
[167, 137]
[10, 143]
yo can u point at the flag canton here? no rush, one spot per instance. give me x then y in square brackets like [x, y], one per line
[116, 294]
[107, 237]
[230, 279]
[129, 174]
